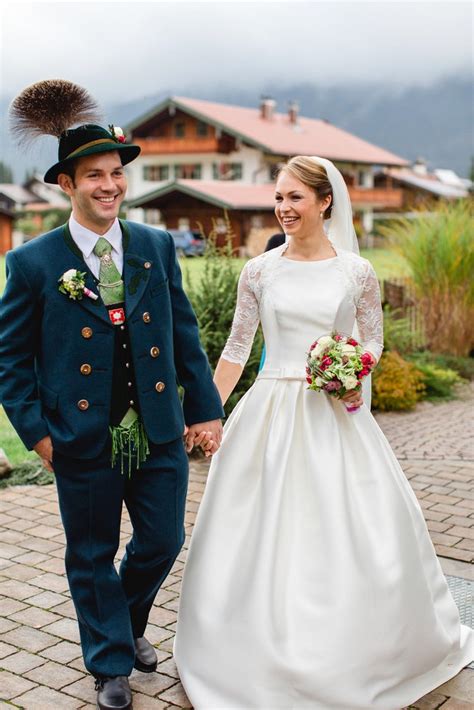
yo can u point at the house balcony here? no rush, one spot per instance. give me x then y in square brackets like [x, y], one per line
[376, 197]
[174, 146]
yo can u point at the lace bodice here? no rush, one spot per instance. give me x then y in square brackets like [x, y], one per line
[298, 301]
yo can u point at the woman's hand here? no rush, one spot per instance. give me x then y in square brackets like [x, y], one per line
[354, 398]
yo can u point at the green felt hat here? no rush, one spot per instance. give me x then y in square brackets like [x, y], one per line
[90, 139]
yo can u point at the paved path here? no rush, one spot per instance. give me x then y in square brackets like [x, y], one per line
[40, 658]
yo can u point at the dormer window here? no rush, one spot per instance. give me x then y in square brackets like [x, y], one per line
[179, 129]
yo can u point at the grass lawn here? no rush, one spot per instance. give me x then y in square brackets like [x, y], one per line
[385, 262]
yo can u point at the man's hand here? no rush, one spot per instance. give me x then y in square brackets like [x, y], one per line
[44, 449]
[207, 435]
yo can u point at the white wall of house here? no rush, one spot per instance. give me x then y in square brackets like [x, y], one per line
[254, 170]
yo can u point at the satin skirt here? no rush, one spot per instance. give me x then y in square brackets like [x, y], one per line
[311, 579]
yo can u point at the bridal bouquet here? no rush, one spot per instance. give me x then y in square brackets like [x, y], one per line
[336, 364]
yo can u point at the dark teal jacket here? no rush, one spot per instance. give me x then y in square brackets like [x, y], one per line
[45, 338]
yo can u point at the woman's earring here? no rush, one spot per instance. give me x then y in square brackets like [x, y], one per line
[321, 215]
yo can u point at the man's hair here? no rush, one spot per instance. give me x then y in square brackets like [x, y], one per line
[69, 169]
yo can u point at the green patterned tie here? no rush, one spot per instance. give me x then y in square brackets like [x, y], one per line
[111, 286]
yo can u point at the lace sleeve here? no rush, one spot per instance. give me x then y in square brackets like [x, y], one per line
[245, 322]
[369, 313]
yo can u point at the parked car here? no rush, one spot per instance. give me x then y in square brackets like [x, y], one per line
[187, 242]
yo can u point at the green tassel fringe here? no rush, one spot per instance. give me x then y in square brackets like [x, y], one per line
[129, 439]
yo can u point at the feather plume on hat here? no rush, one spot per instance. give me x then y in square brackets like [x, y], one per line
[49, 108]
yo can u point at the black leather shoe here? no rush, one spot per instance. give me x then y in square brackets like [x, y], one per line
[113, 693]
[145, 656]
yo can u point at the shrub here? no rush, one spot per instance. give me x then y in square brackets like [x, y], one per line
[464, 366]
[213, 296]
[438, 381]
[397, 332]
[397, 384]
[438, 247]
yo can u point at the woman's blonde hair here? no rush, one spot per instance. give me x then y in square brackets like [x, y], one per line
[304, 168]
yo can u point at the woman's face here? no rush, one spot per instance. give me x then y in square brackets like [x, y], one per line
[297, 207]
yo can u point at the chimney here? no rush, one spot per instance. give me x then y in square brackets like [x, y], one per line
[419, 167]
[267, 107]
[293, 109]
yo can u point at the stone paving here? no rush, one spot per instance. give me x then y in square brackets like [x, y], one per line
[40, 659]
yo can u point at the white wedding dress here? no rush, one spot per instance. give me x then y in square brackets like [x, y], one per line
[311, 580]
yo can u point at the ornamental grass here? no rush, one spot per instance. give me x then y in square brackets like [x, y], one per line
[438, 248]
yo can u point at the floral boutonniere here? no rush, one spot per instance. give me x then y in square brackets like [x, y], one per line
[117, 133]
[72, 283]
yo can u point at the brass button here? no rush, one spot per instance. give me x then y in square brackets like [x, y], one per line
[86, 369]
[83, 404]
[160, 386]
[146, 317]
[147, 265]
[154, 351]
[86, 333]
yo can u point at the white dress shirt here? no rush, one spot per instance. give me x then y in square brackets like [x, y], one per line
[86, 240]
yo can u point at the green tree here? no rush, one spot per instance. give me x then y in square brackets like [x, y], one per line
[6, 174]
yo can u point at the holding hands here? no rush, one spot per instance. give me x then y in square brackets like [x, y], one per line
[207, 435]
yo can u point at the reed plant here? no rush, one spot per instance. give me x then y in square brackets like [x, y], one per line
[438, 248]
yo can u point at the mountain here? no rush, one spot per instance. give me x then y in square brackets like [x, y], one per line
[433, 122]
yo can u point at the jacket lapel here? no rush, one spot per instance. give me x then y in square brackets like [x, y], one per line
[136, 273]
[97, 307]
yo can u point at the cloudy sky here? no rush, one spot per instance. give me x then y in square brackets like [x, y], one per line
[127, 50]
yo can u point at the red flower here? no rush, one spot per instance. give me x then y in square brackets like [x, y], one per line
[309, 380]
[351, 341]
[367, 359]
[121, 139]
[337, 338]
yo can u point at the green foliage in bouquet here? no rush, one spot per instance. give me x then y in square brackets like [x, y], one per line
[213, 295]
[397, 384]
[438, 247]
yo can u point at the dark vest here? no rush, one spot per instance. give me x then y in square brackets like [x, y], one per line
[124, 389]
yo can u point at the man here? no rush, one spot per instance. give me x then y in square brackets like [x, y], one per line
[96, 333]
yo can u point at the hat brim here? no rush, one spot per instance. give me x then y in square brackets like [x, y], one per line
[128, 152]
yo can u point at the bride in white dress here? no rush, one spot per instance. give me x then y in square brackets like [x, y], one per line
[311, 579]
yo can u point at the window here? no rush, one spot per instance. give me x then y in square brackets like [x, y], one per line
[153, 216]
[179, 129]
[187, 172]
[227, 171]
[201, 128]
[256, 221]
[183, 224]
[156, 172]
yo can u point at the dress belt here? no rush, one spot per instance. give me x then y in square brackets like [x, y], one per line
[283, 373]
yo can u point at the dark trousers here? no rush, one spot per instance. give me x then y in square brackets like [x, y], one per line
[113, 607]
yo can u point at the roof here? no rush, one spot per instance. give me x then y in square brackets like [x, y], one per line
[309, 136]
[429, 183]
[17, 193]
[227, 195]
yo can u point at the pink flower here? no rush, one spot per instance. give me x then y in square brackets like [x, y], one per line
[332, 386]
[338, 338]
[351, 341]
[325, 362]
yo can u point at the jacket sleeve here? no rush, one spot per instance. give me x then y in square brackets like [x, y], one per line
[19, 339]
[201, 401]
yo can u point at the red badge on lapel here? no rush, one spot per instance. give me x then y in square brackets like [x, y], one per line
[117, 316]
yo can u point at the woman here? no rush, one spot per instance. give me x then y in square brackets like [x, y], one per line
[311, 580]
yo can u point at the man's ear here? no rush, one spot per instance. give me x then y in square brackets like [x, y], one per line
[65, 183]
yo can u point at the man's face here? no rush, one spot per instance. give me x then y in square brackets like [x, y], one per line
[98, 190]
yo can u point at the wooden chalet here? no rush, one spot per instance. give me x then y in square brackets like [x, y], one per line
[199, 158]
